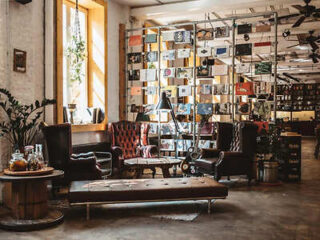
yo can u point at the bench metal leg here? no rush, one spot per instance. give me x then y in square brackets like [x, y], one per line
[88, 211]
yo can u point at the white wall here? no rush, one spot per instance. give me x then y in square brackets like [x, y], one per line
[116, 14]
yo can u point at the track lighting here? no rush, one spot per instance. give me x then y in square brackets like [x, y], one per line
[286, 33]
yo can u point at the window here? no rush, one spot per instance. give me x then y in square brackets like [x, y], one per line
[81, 97]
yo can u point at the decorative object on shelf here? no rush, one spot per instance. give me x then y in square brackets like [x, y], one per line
[19, 61]
[22, 123]
[134, 58]
[263, 68]
[222, 32]
[150, 38]
[183, 53]
[244, 28]
[135, 40]
[243, 49]
[17, 162]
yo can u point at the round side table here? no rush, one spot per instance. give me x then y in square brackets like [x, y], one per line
[29, 199]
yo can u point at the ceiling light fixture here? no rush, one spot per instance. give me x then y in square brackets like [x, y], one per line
[246, 37]
[286, 33]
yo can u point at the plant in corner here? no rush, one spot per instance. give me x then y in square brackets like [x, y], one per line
[21, 124]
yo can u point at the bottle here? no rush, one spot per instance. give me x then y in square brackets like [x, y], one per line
[33, 163]
[39, 156]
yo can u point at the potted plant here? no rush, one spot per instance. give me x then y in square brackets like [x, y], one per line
[21, 123]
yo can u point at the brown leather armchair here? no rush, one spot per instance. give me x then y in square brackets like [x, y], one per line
[240, 139]
[59, 149]
[129, 140]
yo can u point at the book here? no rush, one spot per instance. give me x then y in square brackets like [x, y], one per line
[183, 53]
[135, 40]
[219, 70]
[168, 55]
[185, 91]
[222, 32]
[134, 75]
[182, 37]
[152, 56]
[184, 109]
[184, 73]
[221, 51]
[204, 51]
[169, 73]
[134, 58]
[204, 108]
[150, 38]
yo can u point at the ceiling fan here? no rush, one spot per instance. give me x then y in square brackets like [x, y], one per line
[291, 77]
[308, 39]
[304, 12]
[314, 56]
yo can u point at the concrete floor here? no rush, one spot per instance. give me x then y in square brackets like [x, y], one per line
[290, 211]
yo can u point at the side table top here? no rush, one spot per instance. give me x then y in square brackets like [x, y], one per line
[152, 161]
[8, 178]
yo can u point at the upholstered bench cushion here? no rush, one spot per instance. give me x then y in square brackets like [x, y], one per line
[145, 190]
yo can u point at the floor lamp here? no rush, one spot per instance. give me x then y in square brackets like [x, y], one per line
[164, 105]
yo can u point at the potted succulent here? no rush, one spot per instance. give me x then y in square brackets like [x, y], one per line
[21, 123]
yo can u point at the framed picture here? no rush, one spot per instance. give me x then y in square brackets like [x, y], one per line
[184, 72]
[243, 68]
[168, 55]
[135, 40]
[243, 108]
[148, 75]
[205, 34]
[222, 32]
[204, 52]
[204, 108]
[185, 90]
[245, 88]
[134, 58]
[244, 28]
[182, 37]
[184, 109]
[203, 71]
[169, 72]
[183, 53]
[221, 51]
[168, 36]
[219, 70]
[263, 68]
[151, 90]
[167, 144]
[136, 91]
[19, 61]
[150, 38]
[134, 75]
[244, 49]
[152, 56]
[205, 89]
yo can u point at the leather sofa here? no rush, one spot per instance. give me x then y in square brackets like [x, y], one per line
[236, 146]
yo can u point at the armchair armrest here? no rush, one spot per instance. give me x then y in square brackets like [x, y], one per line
[82, 155]
[83, 162]
[210, 153]
[228, 154]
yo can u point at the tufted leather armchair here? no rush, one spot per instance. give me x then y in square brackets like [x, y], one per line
[129, 140]
[240, 139]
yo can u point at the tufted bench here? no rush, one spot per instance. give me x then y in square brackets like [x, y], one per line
[145, 190]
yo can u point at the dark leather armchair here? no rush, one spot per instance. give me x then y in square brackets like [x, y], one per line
[236, 145]
[129, 140]
[59, 148]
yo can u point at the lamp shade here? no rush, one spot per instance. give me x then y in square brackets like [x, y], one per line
[164, 103]
[142, 117]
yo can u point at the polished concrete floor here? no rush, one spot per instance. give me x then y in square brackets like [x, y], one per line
[289, 211]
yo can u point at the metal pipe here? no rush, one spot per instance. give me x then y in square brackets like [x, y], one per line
[233, 64]
[204, 21]
[194, 82]
[275, 66]
[159, 87]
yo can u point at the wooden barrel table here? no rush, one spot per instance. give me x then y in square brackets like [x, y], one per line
[29, 206]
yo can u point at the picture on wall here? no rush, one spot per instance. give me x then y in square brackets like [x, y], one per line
[219, 70]
[134, 75]
[153, 128]
[169, 72]
[263, 68]
[244, 28]
[244, 88]
[184, 72]
[204, 52]
[152, 56]
[134, 58]
[205, 34]
[169, 55]
[243, 108]
[203, 71]
[182, 37]
[151, 90]
[183, 53]
[150, 38]
[205, 88]
[19, 61]
[167, 36]
[204, 108]
[244, 49]
[185, 91]
[243, 68]
[136, 91]
[222, 32]
[135, 40]
[220, 89]
[221, 51]
[184, 109]
[148, 75]
[263, 27]
[167, 145]
[223, 108]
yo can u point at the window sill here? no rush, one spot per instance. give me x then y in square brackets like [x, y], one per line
[88, 127]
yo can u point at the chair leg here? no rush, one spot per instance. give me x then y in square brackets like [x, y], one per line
[209, 206]
[88, 211]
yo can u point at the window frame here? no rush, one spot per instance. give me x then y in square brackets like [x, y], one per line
[84, 4]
